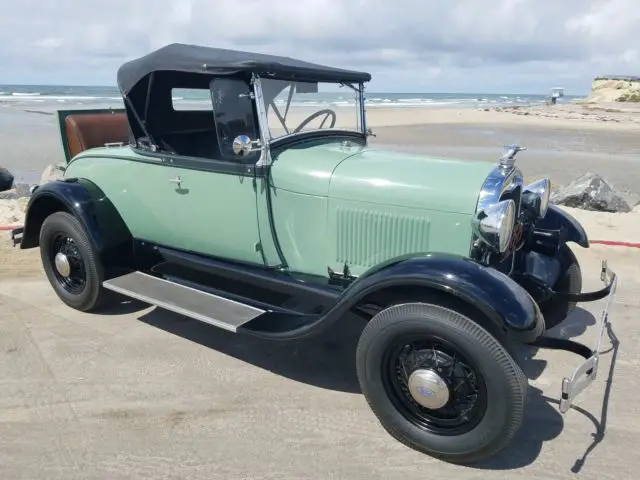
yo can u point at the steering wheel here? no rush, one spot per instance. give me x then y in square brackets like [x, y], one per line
[326, 111]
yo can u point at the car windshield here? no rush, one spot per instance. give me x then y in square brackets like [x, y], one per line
[294, 107]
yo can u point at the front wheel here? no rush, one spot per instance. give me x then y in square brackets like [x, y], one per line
[440, 383]
[71, 262]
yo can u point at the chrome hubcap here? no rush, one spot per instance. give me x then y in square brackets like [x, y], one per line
[428, 389]
[62, 264]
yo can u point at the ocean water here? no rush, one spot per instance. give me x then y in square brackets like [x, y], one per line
[64, 96]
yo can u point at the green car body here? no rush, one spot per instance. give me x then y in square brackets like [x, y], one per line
[332, 204]
[241, 217]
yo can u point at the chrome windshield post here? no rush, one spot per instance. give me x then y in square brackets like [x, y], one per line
[363, 117]
[263, 122]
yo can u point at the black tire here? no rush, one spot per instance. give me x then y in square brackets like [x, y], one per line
[500, 397]
[82, 289]
[570, 281]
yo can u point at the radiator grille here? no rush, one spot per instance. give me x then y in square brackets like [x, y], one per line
[366, 238]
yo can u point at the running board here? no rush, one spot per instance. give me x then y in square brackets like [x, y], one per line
[206, 307]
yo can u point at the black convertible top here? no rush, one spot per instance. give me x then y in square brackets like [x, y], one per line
[216, 61]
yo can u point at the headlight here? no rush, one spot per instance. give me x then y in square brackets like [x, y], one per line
[535, 197]
[494, 224]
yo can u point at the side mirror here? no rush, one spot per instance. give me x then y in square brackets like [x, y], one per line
[243, 145]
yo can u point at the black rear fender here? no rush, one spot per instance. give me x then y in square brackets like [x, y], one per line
[98, 216]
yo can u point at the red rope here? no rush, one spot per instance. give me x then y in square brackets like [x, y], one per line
[616, 244]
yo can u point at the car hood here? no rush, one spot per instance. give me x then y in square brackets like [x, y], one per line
[382, 177]
[417, 181]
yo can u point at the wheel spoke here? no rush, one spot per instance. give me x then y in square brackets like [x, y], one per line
[453, 365]
[75, 281]
[466, 402]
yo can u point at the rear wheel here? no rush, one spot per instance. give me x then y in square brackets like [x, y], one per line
[71, 262]
[440, 383]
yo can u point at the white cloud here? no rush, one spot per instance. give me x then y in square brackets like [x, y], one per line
[48, 43]
[441, 45]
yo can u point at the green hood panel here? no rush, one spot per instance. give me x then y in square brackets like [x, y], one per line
[381, 177]
[413, 181]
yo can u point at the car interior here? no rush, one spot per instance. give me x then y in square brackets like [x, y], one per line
[198, 132]
[210, 133]
[90, 130]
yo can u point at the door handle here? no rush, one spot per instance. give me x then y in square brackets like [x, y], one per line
[177, 181]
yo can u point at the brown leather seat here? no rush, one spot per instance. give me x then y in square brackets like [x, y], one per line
[90, 130]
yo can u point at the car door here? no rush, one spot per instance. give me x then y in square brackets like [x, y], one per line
[207, 212]
[204, 195]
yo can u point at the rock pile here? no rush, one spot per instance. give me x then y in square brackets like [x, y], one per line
[575, 111]
[13, 204]
[12, 211]
[19, 190]
[52, 172]
[591, 192]
[14, 197]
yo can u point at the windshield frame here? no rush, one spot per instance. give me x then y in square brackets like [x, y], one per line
[262, 107]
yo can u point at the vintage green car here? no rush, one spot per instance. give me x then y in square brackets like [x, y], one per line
[244, 215]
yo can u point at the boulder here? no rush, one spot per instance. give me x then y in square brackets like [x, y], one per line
[591, 192]
[51, 172]
[6, 179]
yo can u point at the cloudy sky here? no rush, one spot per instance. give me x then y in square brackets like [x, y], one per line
[492, 46]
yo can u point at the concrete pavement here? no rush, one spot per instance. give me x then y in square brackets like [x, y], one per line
[144, 393]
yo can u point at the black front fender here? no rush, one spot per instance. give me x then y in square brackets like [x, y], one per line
[503, 302]
[558, 219]
[511, 311]
[83, 199]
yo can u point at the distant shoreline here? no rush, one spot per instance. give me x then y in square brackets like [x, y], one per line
[61, 96]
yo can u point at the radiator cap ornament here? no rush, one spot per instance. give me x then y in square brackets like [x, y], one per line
[509, 158]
